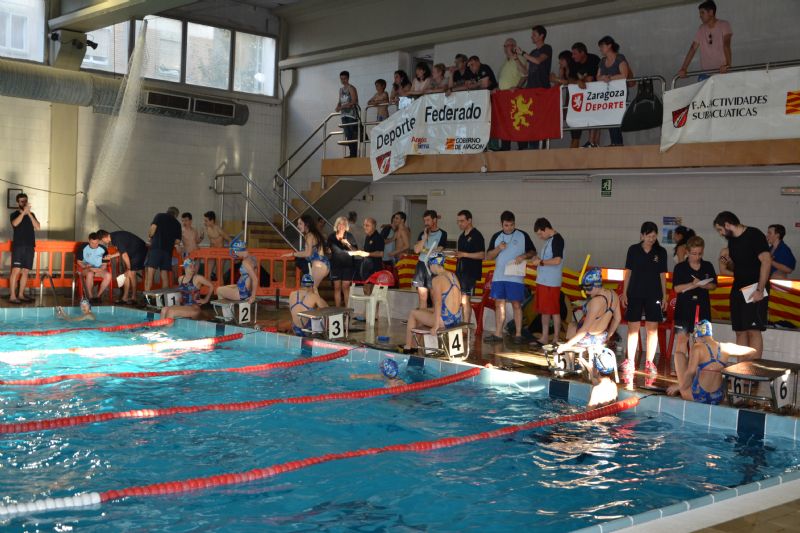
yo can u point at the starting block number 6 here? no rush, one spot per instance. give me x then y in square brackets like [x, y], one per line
[783, 393]
[336, 326]
[455, 342]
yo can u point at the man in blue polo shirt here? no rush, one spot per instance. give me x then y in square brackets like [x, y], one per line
[93, 267]
[783, 261]
[507, 247]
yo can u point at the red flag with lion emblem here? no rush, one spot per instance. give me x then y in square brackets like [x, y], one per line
[526, 114]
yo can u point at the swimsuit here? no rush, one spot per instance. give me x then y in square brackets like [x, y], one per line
[305, 264]
[297, 329]
[449, 318]
[188, 290]
[698, 392]
[244, 292]
[601, 338]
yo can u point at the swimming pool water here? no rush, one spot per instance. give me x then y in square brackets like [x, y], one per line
[551, 479]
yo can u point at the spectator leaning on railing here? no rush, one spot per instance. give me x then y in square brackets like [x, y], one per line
[513, 74]
[439, 82]
[539, 65]
[713, 38]
[422, 79]
[459, 73]
[380, 100]
[613, 66]
[586, 66]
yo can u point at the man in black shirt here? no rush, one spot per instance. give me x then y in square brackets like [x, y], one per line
[164, 233]
[24, 223]
[373, 253]
[460, 74]
[540, 61]
[586, 66]
[482, 75]
[748, 260]
[471, 251]
[132, 252]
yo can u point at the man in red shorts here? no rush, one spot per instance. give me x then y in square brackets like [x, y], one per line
[548, 279]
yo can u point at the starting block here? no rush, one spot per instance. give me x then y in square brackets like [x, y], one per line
[743, 380]
[335, 322]
[241, 313]
[563, 364]
[162, 298]
[453, 342]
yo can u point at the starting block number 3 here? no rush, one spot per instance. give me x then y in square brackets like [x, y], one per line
[455, 342]
[336, 326]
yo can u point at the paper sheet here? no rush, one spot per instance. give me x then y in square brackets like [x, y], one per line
[514, 269]
[748, 292]
[704, 282]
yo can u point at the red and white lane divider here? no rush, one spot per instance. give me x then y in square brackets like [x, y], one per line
[19, 357]
[253, 369]
[107, 329]
[79, 420]
[189, 485]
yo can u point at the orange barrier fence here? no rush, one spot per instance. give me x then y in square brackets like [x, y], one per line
[784, 301]
[218, 264]
[54, 258]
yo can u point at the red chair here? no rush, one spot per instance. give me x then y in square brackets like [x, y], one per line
[381, 281]
[485, 301]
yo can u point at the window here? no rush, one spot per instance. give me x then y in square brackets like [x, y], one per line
[111, 54]
[254, 64]
[208, 56]
[163, 61]
[22, 29]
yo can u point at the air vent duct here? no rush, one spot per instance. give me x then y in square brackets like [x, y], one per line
[214, 108]
[168, 101]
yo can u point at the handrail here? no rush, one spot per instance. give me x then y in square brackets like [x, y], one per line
[755, 66]
[302, 145]
[41, 289]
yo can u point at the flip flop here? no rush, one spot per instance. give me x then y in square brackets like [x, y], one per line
[14, 301]
[27, 300]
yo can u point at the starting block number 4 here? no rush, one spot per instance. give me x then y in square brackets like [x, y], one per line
[455, 342]
[336, 326]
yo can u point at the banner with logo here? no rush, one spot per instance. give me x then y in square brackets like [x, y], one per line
[526, 114]
[740, 106]
[433, 124]
[599, 104]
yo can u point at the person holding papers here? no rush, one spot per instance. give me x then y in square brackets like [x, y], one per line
[691, 281]
[510, 249]
[748, 260]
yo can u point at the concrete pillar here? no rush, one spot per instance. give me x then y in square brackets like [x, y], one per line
[63, 171]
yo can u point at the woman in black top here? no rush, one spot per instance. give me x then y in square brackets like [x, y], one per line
[644, 294]
[691, 281]
[340, 242]
[681, 236]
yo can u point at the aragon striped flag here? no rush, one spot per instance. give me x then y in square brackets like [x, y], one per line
[793, 103]
[527, 114]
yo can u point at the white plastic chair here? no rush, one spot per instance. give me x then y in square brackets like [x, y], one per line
[381, 282]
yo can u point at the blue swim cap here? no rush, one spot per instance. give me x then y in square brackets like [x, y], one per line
[187, 263]
[237, 245]
[86, 302]
[605, 361]
[703, 329]
[436, 259]
[592, 279]
[389, 368]
[307, 281]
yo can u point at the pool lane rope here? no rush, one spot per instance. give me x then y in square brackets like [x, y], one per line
[106, 329]
[88, 499]
[78, 420]
[18, 357]
[253, 369]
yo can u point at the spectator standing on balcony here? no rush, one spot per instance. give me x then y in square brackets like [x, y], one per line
[513, 74]
[401, 86]
[748, 260]
[550, 265]
[566, 69]
[586, 66]
[348, 107]
[439, 82]
[471, 252]
[783, 261]
[539, 64]
[23, 247]
[613, 66]
[431, 240]
[507, 247]
[422, 79]
[381, 100]
[460, 74]
[482, 76]
[713, 38]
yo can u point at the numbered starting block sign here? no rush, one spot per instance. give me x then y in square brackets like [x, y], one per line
[240, 313]
[335, 322]
[453, 343]
[760, 380]
[162, 298]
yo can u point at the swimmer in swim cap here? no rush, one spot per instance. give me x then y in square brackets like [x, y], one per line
[602, 371]
[305, 299]
[389, 372]
[86, 312]
[246, 287]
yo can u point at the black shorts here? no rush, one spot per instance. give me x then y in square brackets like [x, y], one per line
[342, 273]
[159, 259]
[137, 261]
[22, 256]
[366, 268]
[744, 316]
[649, 308]
[576, 134]
[422, 276]
[467, 283]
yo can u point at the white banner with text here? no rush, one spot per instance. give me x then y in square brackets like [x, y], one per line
[599, 104]
[740, 106]
[433, 124]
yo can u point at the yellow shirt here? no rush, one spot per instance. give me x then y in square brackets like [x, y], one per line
[509, 75]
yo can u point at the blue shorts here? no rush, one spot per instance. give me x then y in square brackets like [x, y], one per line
[508, 290]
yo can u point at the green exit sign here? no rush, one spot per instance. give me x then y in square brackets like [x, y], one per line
[605, 186]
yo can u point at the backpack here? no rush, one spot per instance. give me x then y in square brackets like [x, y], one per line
[645, 111]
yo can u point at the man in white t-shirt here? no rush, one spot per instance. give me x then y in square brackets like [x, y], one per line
[713, 38]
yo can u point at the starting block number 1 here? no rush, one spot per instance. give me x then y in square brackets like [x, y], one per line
[172, 299]
[336, 326]
[455, 342]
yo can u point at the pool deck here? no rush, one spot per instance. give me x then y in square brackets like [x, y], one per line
[744, 513]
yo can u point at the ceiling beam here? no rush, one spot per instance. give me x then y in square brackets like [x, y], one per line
[111, 12]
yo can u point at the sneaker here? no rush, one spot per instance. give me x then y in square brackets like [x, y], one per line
[651, 374]
[627, 370]
[589, 145]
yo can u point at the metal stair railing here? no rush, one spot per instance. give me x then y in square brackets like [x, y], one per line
[755, 66]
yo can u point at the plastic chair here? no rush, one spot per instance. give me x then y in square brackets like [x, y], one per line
[485, 301]
[79, 273]
[381, 281]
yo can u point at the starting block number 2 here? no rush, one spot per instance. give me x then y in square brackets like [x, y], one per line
[244, 313]
[336, 326]
[455, 342]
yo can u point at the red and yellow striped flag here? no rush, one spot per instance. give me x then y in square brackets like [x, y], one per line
[793, 103]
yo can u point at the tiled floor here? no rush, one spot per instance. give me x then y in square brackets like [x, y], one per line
[781, 518]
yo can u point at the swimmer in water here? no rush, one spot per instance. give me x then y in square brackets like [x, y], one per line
[389, 372]
[601, 371]
[86, 313]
